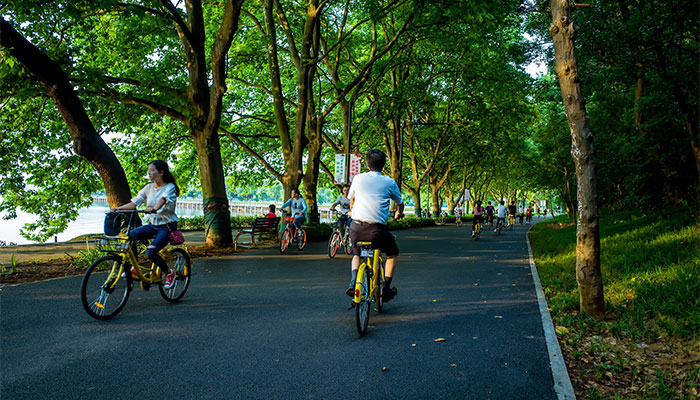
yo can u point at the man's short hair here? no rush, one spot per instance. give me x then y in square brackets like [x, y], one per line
[375, 160]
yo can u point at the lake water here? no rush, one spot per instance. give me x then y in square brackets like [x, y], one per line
[90, 220]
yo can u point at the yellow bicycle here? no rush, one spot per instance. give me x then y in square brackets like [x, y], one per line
[511, 222]
[369, 285]
[108, 282]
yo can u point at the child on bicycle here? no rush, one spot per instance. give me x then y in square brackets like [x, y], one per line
[344, 203]
[160, 197]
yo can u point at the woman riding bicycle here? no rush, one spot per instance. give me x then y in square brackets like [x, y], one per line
[478, 216]
[298, 206]
[160, 198]
[344, 203]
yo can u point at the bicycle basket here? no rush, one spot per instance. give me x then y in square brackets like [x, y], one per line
[111, 244]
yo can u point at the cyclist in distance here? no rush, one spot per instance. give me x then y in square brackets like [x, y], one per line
[160, 197]
[370, 196]
[512, 210]
[344, 203]
[298, 206]
[500, 214]
[489, 213]
[478, 216]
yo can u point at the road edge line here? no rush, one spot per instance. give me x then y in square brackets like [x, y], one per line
[562, 383]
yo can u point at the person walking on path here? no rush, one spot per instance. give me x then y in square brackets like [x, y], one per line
[160, 197]
[370, 196]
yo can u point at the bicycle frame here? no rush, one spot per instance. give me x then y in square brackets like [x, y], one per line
[125, 249]
[373, 264]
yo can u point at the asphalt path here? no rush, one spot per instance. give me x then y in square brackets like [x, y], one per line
[265, 325]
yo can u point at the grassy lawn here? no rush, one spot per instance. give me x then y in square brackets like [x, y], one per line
[648, 347]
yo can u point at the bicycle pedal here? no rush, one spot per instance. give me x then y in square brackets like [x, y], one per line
[352, 305]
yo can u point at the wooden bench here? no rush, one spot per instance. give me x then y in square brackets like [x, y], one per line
[259, 227]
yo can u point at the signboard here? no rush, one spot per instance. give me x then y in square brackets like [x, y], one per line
[466, 195]
[355, 167]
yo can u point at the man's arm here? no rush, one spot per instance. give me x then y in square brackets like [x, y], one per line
[399, 211]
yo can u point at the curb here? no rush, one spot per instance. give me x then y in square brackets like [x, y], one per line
[562, 383]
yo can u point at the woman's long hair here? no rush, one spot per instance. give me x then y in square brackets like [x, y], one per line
[168, 177]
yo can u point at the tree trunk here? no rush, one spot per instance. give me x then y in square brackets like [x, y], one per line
[588, 274]
[217, 216]
[87, 143]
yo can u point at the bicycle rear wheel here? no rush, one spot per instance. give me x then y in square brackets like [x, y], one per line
[362, 308]
[182, 263]
[301, 239]
[379, 298]
[105, 287]
[284, 240]
[333, 244]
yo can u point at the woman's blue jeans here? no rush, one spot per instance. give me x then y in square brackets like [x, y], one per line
[161, 237]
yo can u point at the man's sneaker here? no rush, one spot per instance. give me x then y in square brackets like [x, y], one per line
[472, 234]
[389, 294]
[169, 279]
[350, 291]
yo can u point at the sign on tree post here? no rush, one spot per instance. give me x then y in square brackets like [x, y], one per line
[355, 167]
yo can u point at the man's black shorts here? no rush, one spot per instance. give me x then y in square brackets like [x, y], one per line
[378, 234]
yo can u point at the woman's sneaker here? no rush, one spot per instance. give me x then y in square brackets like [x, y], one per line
[170, 279]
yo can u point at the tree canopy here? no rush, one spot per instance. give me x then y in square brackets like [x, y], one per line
[249, 94]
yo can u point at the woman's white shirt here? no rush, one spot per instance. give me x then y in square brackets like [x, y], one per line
[150, 195]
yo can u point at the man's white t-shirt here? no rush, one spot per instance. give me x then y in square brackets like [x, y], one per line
[501, 211]
[372, 192]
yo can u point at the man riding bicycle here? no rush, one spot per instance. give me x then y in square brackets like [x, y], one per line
[489, 213]
[500, 214]
[512, 210]
[370, 196]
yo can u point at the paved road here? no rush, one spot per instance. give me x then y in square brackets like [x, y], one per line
[260, 325]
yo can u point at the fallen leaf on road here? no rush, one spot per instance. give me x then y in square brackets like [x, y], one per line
[441, 339]
[413, 345]
[476, 284]
[434, 301]
[498, 316]
[453, 365]
[383, 369]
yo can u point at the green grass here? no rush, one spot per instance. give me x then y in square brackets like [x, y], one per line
[646, 347]
[650, 267]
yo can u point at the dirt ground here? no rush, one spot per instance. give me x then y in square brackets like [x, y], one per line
[54, 260]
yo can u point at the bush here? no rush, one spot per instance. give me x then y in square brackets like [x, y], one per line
[410, 222]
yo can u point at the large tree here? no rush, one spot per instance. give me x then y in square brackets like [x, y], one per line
[588, 274]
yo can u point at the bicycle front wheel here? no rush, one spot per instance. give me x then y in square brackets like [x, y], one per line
[301, 239]
[333, 244]
[105, 288]
[284, 240]
[362, 308]
[182, 263]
